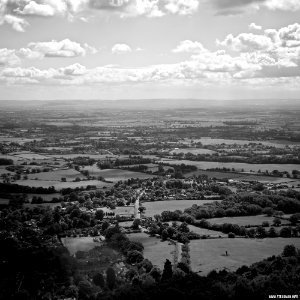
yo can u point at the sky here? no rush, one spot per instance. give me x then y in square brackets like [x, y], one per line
[145, 49]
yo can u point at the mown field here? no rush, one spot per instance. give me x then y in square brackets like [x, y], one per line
[204, 165]
[194, 151]
[208, 255]
[245, 177]
[154, 249]
[69, 174]
[157, 207]
[62, 185]
[115, 175]
[246, 220]
[79, 244]
[203, 231]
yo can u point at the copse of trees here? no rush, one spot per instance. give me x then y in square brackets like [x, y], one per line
[6, 161]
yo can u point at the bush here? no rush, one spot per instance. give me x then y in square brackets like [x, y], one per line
[231, 235]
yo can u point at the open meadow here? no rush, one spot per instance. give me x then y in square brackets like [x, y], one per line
[115, 175]
[62, 185]
[208, 255]
[57, 175]
[245, 220]
[204, 165]
[154, 249]
[79, 244]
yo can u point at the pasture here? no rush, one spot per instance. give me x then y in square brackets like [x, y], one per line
[62, 185]
[157, 207]
[69, 174]
[115, 175]
[246, 220]
[208, 255]
[194, 151]
[204, 231]
[154, 249]
[79, 244]
[243, 167]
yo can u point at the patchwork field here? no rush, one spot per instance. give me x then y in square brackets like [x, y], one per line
[69, 174]
[62, 185]
[203, 231]
[247, 220]
[154, 249]
[194, 151]
[157, 207]
[208, 255]
[115, 175]
[245, 177]
[204, 165]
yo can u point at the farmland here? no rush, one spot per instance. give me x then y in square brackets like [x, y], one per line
[244, 221]
[208, 255]
[244, 167]
[78, 244]
[154, 248]
[115, 175]
[61, 185]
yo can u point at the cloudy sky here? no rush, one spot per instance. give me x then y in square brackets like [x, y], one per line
[115, 49]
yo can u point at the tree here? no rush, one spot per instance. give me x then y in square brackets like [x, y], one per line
[99, 214]
[167, 272]
[276, 222]
[134, 256]
[285, 232]
[136, 223]
[295, 218]
[98, 280]
[110, 278]
[63, 179]
[289, 250]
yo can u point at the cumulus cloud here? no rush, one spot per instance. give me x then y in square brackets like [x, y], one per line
[189, 47]
[120, 48]
[64, 48]
[240, 6]
[19, 9]
[39, 50]
[18, 24]
[253, 26]
[270, 55]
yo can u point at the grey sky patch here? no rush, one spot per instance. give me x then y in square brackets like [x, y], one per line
[229, 4]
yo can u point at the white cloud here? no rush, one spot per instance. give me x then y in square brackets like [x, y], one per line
[189, 47]
[70, 9]
[8, 57]
[270, 54]
[286, 5]
[64, 48]
[18, 24]
[253, 26]
[120, 48]
[245, 42]
[33, 8]
[182, 7]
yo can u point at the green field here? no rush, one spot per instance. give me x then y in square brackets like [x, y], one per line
[62, 185]
[69, 174]
[154, 249]
[207, 255]
[246, 220]
[203, 231]
[79, 244]
[204, 165]
[157, 207]
[115, 175]
[194, 151]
